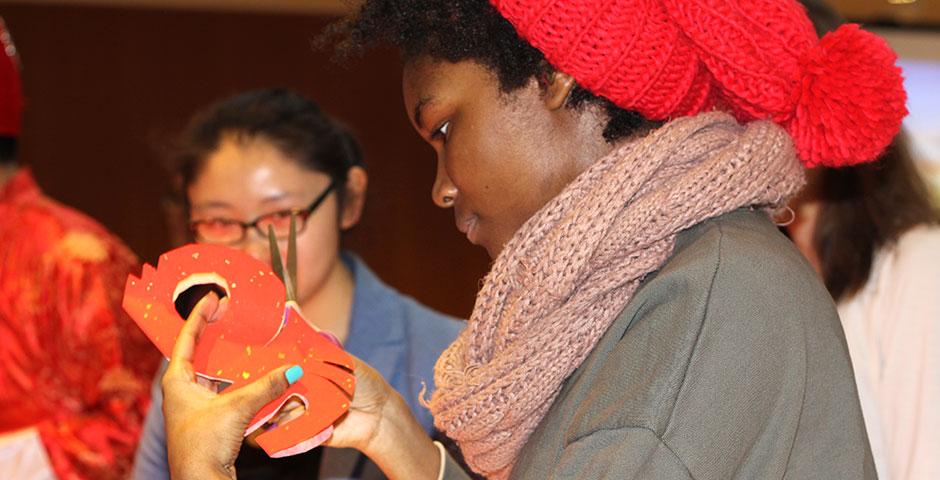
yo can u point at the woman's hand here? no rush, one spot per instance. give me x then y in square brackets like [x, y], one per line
[360, 424]
[204, 429]
[380, 424]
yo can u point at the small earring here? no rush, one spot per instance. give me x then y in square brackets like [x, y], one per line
[448, 200]
[779, 220]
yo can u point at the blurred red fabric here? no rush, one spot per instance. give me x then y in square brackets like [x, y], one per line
[71, 362]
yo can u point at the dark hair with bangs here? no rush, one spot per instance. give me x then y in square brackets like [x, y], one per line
[294, 124]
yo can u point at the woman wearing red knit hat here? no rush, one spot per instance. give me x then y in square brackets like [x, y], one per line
[643, 317]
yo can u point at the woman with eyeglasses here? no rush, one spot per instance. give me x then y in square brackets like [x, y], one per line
[248, 163]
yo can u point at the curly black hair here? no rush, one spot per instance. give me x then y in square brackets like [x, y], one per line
[457, 30]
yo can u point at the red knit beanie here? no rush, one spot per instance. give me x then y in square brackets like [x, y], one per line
[11, 91]
[841, 98]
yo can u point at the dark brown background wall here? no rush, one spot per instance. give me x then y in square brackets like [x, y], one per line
[105, 86]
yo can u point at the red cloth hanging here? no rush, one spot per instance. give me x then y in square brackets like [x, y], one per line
[71, 362]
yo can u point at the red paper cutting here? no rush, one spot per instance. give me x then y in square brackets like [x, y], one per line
[258, 332]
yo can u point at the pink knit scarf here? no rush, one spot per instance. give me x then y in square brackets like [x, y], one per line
[570, 270]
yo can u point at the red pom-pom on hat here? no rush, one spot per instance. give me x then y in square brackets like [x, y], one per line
[841, 99]
[850, 100]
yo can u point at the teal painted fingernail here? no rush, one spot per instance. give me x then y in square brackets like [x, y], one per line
[293, 374]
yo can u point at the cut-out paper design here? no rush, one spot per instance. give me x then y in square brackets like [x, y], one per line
[258, 332]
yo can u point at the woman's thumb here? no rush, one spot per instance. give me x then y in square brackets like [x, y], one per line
[253, 397]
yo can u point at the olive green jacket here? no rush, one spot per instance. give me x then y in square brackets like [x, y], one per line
[729, 362]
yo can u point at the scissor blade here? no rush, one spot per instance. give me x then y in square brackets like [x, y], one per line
[278, 265]
[292, 251]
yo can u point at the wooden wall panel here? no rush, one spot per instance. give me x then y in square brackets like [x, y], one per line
[106, 85]
[318, 7]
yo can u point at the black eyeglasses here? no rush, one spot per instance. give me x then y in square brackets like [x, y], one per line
[228, 231]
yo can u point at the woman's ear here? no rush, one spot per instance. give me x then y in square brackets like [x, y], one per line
[557, 89]
[354, 197]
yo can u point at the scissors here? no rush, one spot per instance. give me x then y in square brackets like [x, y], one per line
[289, 277]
